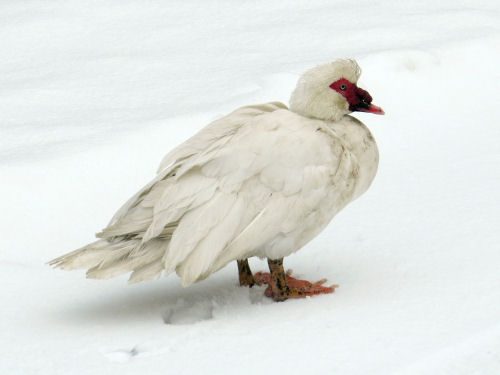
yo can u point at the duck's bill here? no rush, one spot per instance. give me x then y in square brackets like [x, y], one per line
[371, 108]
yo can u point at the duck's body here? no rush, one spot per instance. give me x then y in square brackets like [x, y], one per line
[261, 181]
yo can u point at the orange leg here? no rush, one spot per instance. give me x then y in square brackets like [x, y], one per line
[282, 286]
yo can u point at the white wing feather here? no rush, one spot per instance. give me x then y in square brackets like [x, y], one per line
[261, 181]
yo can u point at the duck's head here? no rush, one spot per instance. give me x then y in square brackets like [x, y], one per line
[329, 91]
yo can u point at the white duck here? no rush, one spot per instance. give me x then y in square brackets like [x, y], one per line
[262, 181]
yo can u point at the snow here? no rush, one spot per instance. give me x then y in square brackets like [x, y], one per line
[93, 94]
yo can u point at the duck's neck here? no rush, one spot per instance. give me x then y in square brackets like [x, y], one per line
[361, 143]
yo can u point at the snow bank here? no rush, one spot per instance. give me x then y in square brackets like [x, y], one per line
[94, 94]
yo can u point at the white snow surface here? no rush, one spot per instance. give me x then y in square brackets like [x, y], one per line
[93, 94]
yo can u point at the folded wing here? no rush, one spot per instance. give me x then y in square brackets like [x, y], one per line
[260, 181]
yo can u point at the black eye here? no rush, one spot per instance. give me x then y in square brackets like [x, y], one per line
[343, 87]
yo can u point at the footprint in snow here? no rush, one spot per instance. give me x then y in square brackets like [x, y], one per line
[188, 312]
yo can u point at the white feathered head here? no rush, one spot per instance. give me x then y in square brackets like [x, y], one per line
[329, 91]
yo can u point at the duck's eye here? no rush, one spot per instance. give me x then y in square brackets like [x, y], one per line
[343, 87]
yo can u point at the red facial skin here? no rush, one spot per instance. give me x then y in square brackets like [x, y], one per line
[358, 99]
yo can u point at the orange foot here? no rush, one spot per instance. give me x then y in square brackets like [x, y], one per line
[294, 288]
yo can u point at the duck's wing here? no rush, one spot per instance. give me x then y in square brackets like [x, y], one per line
[139, 234]
[248, 184]
[204, 143]
[267, 184]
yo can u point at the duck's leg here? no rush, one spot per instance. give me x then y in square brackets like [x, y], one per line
[282, 286]
[246, 277]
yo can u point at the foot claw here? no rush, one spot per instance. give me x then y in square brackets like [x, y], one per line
[320, 282]
[296, 288]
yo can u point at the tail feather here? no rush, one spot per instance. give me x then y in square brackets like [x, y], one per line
[153, 252]
[146, 272]
[105, 259]
[85, 257]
